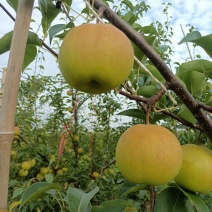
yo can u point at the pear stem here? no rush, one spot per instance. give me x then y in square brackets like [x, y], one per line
[100, 13]
[148, 114]
[152, 198]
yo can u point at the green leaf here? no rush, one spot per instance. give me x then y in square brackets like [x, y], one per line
[147, 90]
[5, 41]
[13, 4]
[117, 205]
[33, 39]
[161, 102]
[172, 199]
[203, 66]
[128, 4]
[198, 82]
[31, 50]
[78, 201]
[190, 37]
[68, 4]
[203, 41]
[194, 198]
[186, 114]
[139, 54]
[36, 191]
[133, 113]
[17, 192]
[54, 30]
[129, 17]
[163, 48]
[49, 13]
[12, 183]
[181, 81]
[62, 35]
[208, 88]
[194, 74]
[49, 178]
[206, 43]
[30, 54]
[59, 27]
[149, 29]
[154, 71]
[195, 81]
[158, 117]
[129, 187]
[209, 101]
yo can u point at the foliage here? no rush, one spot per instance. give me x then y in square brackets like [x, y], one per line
[51, 134]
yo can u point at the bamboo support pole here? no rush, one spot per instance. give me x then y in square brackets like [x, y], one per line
[9, 100]
[2, 84]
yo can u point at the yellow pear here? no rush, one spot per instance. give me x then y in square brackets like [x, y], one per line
[51, 170]
[196, 170]
[111, 171]
[95, 58]
[44, 170]
[95, 175]
[14, 154]
[26, 165]
[69, 92]
[76, 138]
[70, 109]
[40, 176]
[23, 173]
[65, 169]
[32, 162]
[148, 154]
[80, 150]
[17, 131]
[59, 172]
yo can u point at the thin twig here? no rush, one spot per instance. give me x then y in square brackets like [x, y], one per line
[199, 138]
[205, 107]
[66, 12]
[158, 109]
[148, 114]
[6, 11]
[100, 13]
[50, 49]
[132, 97]
[108, 165]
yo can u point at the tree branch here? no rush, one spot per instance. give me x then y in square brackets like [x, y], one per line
[139, 99]
[175, 85]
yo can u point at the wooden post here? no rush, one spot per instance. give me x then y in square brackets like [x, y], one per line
[10, 95]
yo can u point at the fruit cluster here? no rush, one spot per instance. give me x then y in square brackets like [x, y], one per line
[152, 155]
[26, 166]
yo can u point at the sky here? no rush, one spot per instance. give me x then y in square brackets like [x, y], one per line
[183, 12]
